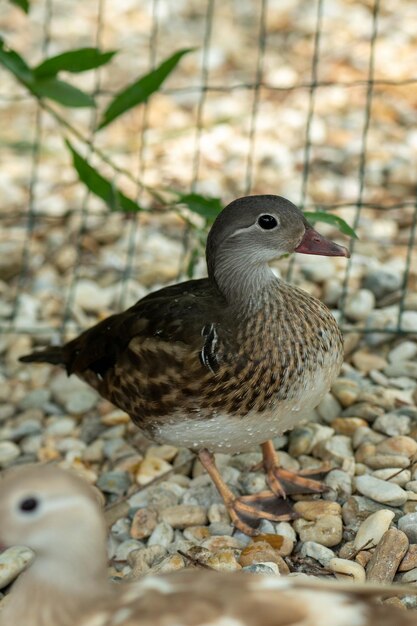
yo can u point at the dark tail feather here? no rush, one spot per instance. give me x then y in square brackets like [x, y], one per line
[49, 355]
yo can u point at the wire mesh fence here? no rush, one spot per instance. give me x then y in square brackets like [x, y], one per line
[314, 101]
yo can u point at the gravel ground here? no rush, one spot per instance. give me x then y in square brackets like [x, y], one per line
[162, 510]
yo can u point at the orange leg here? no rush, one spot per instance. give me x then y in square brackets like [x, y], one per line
[247, 511]
[283, 482]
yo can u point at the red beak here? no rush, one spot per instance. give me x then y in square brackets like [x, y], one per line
[314, 243]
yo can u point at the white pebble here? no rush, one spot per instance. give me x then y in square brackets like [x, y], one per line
[347, 570]
[371, 530]
[359, 305]
[318, 552]
[405, 351]
[8, 452]
[12, 562]
[380, 490]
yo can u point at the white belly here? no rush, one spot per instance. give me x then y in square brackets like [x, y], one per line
[228, 433]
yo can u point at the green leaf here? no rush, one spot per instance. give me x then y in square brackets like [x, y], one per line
[79, 60]
[12, 61]
[22, 4]
[100, 186]
[209, 208]
[329, 218]
[139, 91]
[61, 92]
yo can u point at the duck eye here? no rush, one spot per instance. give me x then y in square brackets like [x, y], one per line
[267, 222]
[28, 505]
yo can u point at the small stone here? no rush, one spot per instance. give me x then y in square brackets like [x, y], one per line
[372, 529]
[252, 483]
[114, 482]
[162, 496]
[117, 448]
[335, 449]
[392, 425]
[6, 411]
[401, 368]
[401, 445]
[345, 569]
[325, 530]
[126, 547]
[357, 508]
[284, 529]
[409, 320]
[393, 475]
[387, 556]
[24, 430]
[317, 551]
[359, 305]
[410, 576]
[380, 490]
[340, 482]
[410, 560]
[120, 530]
[366, 410]
[73, 394]
[162, 535]
[219, 542]
[144, 523]
[383, 461]
[218, 513]
[404, 351]
[142, 560]
[60, 427]
[91, 297]
[347, 425]
[115, 418]
[171, 563]
[11, 259]
[366, 361]
[364, 434]
[381, 282]
[150, 468]
[165, 452]
[223, 561]
[267, 569]
[303, 439]
[35, 399]
[312, 510]
[346, 391]
[9, 451]
[196, 534]
[183, 515]
[363, 557]
[408, 524]
[329, 408]
[220, 528]
[12, 562]
[411, 486]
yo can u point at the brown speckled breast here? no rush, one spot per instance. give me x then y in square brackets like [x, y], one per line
[269, 365]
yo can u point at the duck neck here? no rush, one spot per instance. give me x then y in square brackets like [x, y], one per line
[244, 285]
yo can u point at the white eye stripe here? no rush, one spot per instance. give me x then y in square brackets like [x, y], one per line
[45, 505]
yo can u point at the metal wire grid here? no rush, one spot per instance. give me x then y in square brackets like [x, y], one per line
[203, 89]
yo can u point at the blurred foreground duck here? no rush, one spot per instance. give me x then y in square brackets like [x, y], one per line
[227, 362]
[58, 516]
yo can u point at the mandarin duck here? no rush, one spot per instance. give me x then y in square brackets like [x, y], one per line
[226, 362]
[57, 515]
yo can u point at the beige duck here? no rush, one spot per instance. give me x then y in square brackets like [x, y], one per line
[226, 362]
[57, 515]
